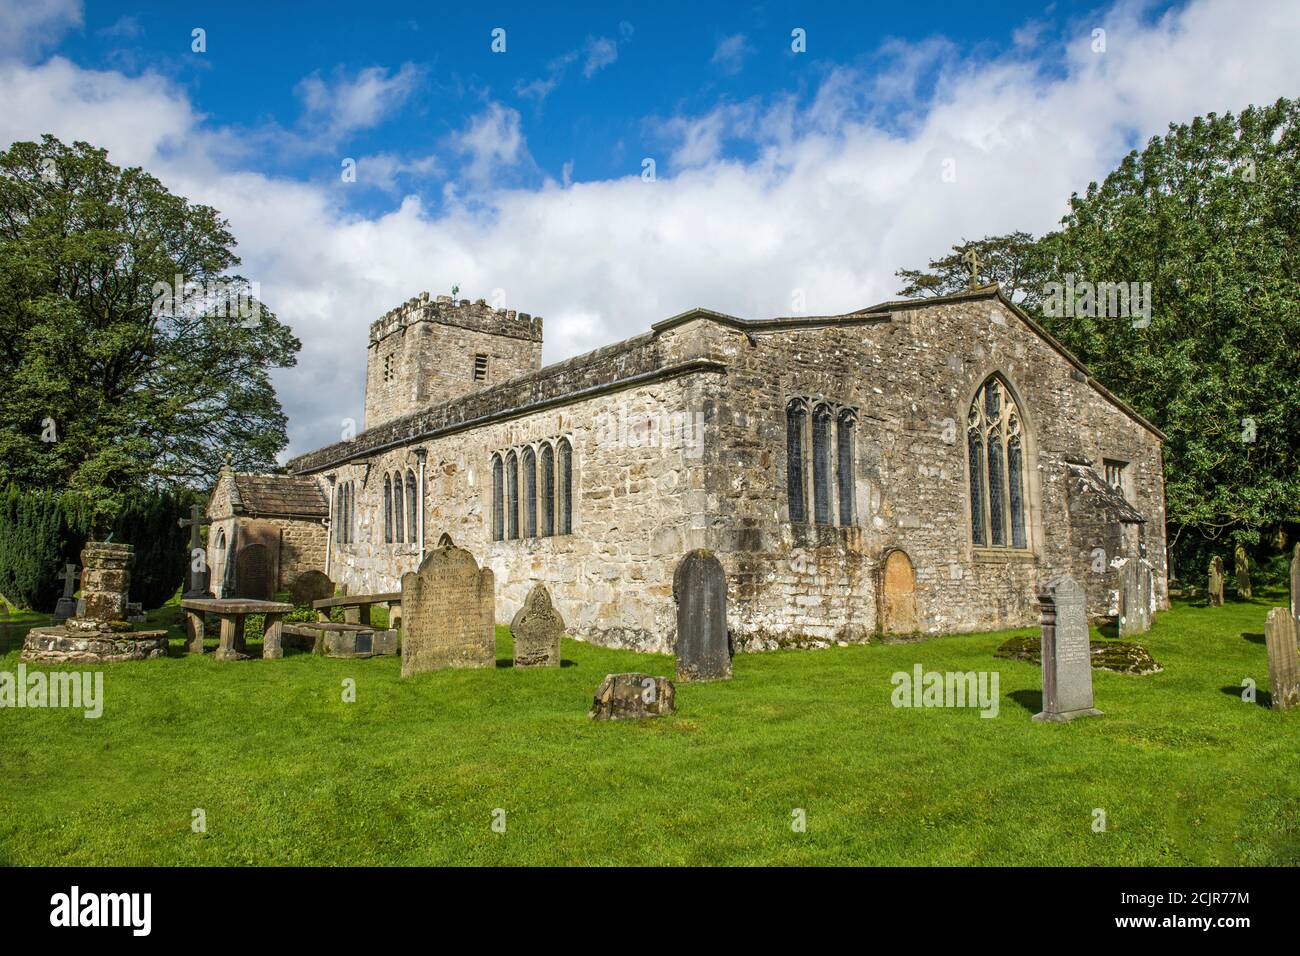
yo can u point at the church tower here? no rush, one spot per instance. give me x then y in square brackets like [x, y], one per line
[428, 351]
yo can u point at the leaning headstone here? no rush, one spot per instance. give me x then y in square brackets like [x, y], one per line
[1216, 581]
[1067, 659]
[1295, 584]
[1134, 599]
[1241, 561]
[633, 696]
[700, 589]
[1283, 660]
[67, 605]
[448, 613]
[311, 586]
[537, 628]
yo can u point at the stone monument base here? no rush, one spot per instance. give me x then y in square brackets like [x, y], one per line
[632, 697]
[345, 640]
[1067, 716]
[81, 641]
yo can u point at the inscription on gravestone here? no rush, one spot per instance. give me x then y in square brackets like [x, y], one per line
[448, 613]
[700, 589]
[1283, 660]
[1067, 655]
[537, 629]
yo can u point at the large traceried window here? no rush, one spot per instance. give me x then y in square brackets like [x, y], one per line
[995, 447]
[532, 491]
[820, 462]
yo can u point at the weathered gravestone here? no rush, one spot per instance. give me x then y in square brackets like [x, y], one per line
[537, 628]
[311, 586]
[1295, 584]
[700, 589]
[253, 573]
[1216, 581]
[1067, 658]
[633, 696]
[1283, 660]
[1241, 561]
[1134, 606]
[448, 613]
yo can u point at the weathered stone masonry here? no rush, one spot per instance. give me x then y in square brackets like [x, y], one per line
[644, 495]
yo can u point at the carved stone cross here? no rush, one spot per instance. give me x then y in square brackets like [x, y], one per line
[69, 576]
[973, 263]
[194, 522]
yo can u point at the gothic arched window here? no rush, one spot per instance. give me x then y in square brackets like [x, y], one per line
[821, 456]
[548, 490]
[412, 508]
[338, 514]
[530, 493]
[388, 510]
[795, 415]
[512, 494]
[399, 509]
[564, 497]
[498, 505]
[995, 448]
[844, 464]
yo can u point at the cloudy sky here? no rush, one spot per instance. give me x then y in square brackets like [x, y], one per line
[522, 176]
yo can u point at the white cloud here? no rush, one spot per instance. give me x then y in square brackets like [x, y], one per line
[730, 54]
[345, 104]
[840, 190]
[600, 52]
[596, 54]
[28, 27]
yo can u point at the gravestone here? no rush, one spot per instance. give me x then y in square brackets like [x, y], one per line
[632, 697]
[700, 589]
[1295, 584]
[1283, 660]
[1067, 657]
[1134, 598]
[1216, 581]
[253, 573]
[311, 586]
[198, 575]
[448, 613]
[537, 628]
[67, 605]
[1241, 562]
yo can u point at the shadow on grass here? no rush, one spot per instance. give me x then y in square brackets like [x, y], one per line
[1262, 697]
[1031, 700]
[1253, 637]
[509, 662]
[1109, 630]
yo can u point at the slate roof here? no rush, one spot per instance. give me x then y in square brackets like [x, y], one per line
[280, 495]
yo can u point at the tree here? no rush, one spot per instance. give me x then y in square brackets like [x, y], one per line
[1013, 261]
[132, 356]
[1208, 215]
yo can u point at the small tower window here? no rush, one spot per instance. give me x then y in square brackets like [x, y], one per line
[388, 368]
[480, 367]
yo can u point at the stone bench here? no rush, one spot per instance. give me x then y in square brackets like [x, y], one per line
[232, 612]
[345, 640]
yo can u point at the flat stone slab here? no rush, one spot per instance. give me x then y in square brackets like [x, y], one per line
[632, 697]
[235, 606]
[59, 645]
[346, 640]
[1122, 657]
[355, 600]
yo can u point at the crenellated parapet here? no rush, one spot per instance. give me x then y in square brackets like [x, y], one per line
[476, 316]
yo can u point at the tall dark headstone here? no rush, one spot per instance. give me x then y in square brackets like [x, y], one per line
[1215, 587]
[1283, 660]
[700, 589]
[448, 613]
[1241, 562]
[1067, 655]
[311, 586]
[537, 628]
[1134, 598]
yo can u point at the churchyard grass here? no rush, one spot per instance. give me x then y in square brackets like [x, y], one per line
[286, 772]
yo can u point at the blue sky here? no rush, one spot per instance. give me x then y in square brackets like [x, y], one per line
[784, 182]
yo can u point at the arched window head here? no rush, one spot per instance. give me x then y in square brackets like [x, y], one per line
[996, 462]
[498, 499]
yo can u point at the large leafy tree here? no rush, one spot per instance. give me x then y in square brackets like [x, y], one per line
[1209, 215]
[130, 352]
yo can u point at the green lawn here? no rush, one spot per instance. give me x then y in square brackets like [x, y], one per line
[287, 773]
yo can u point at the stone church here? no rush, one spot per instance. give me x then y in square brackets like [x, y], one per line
[920, 466]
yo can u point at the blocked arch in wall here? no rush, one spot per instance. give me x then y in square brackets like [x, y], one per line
[897, 611]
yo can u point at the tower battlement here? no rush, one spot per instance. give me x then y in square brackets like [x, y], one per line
[435, 348]
[461, 313]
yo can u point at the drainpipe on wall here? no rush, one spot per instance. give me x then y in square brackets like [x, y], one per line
[421, 454]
